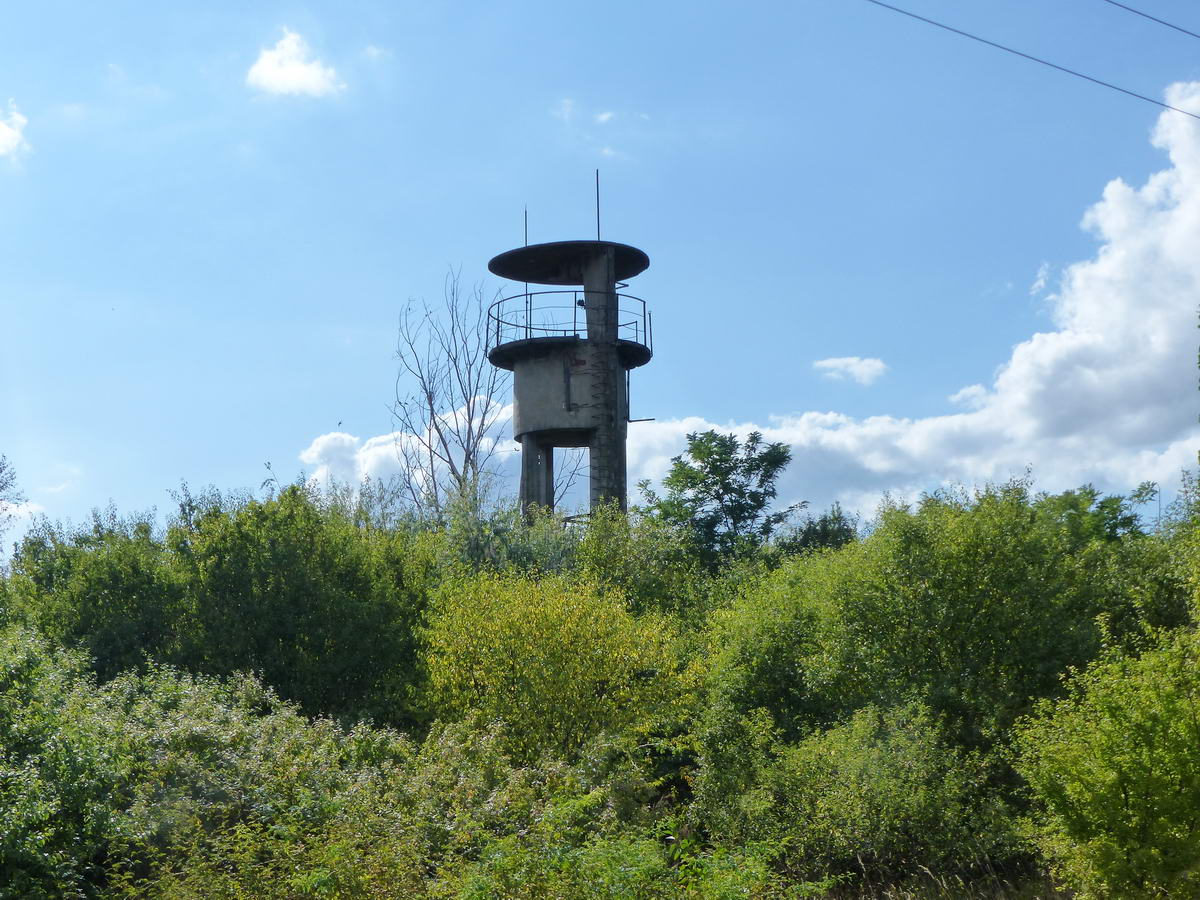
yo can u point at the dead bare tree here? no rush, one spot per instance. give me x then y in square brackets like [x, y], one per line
[450, 401]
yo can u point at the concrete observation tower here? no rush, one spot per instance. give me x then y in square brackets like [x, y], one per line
[570, 352]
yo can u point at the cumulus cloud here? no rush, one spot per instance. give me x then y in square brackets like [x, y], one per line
[346, 459]
[853, 368]
[1106, 396]
[290, 68]
[972, 396]
[12, 131]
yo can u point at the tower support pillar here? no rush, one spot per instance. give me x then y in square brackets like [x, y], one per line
[537, 474]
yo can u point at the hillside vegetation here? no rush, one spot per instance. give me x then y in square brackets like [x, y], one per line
[305, 695]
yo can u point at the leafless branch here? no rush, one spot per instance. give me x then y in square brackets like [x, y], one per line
[449, 398]
[566, 473]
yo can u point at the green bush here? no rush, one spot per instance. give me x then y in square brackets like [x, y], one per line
[596, 713]
[456, 818]
[972, 605]
[1114, 770]
[558, 662]
[109, 588]
[326, 611]
[652, 563]
[503, 539]
[528, 867]
[882, 795]
[118, 785]
[63, 773]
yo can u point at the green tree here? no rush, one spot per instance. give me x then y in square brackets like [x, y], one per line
[109, 588]
[1085, 515]
[830, 530]
[10, 496]
[973, 605]
[558, 662]
[324, 610]
[1114, 769]
[648, 561]
[722, 490]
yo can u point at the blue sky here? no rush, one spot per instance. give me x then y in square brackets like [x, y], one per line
[212, 214]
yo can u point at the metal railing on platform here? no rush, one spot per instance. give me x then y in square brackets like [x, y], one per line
[541, 314]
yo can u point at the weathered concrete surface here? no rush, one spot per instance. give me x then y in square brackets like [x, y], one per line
[567, 392]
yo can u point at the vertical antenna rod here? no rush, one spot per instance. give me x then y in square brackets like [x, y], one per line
[528, 302]
[597, 204]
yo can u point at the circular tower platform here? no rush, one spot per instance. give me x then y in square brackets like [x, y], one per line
[564, 262]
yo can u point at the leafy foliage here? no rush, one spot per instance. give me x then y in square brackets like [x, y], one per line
[616, 709]
[558, 662]
[881, 795]
[10, 494]
[828, 531]
[110, 588]
[288, 587]
[972, 605]
[1114, 769]
[722, 491]
[326, 612]
[648, 561]
[1086, 515]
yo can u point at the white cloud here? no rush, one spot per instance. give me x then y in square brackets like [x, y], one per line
[12, 131]
[1039, 281]
[972, 396]
[374, 53]
[856, 368]
[347, 459]
[604, 117]
[290, 68]
[1106, 396]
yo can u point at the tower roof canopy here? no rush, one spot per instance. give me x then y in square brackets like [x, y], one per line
[564, 262]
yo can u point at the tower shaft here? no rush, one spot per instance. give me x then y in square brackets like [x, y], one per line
[606, 450]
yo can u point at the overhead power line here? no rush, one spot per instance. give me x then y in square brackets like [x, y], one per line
[1138, 12]
[1036, 59]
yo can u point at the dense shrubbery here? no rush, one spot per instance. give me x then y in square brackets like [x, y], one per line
[325, 610]
[882, 794]
[1115, 770]
[972, 605]
[558, 662]
[490, 708]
